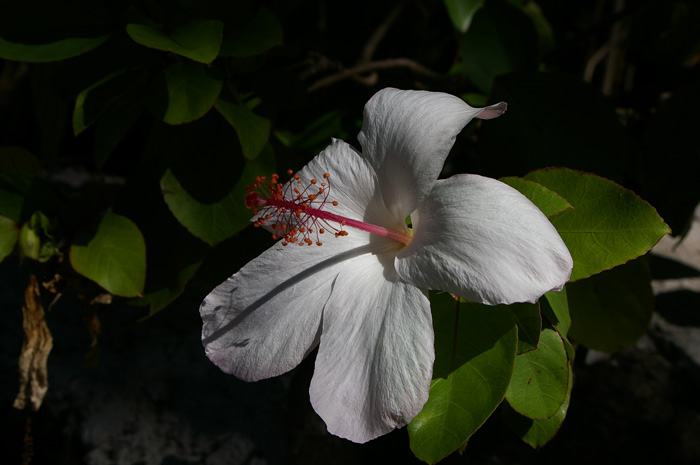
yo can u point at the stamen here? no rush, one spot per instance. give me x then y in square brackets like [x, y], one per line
[298, 216]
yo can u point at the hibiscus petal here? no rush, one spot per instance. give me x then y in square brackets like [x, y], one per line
[263, 320]
[406, 136]
[482, 240]
[375, 357]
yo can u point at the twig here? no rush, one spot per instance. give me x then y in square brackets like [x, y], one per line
[371, 66]
[380, 32]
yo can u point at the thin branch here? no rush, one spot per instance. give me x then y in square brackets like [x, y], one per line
[371, 66]
[380, 32]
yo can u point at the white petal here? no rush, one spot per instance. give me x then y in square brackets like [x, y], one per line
[263, 321]
[375, 358]
[482, 240]
[406, 136]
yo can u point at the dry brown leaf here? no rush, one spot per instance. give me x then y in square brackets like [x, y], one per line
[36, 346]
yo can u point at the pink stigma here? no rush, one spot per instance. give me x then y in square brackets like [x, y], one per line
[298, 213]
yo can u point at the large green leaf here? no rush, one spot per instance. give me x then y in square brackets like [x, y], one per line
[198, 40]
[475, 348]
[111, 252]
[529, 321]
[462, 12]
[8, 236]
[612, 310]
[191, 90]
[537, 433]
[215, 221]
[609, 225]
[500, 40]
[540, 378]
[54, 51]
[555, 308]
[253, 130]
[553, 120]
[259, 34]
[546, 200]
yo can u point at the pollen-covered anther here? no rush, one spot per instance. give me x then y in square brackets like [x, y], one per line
[296, 212]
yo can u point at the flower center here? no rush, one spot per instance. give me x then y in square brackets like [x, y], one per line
[297, 212]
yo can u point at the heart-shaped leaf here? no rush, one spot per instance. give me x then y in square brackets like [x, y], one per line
[540, 378]
[111, 252]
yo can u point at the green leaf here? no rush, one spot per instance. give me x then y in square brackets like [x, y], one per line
[555, 308]
[54, 51]
[259, 34]
[500, 40]
[111, 252]
[253, 130]
[191, 92]
[609, 225]
[461, 12]
[21, 194]
[537, 433]
[115, 103]
[35, 239]
[198, 40]
[14, 158]
[475, 349]
[8, 237]
[540, 378]
[92, 102]
[546, 200]
[612, 310]
[527, 317]
[553, 119]
[213, 222]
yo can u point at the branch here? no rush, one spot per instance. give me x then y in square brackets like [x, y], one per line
[370, 66]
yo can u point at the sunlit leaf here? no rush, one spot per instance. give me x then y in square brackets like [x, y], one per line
[537, 433]
[197, 40]
[216, 221]
[8, 236]
[475, 348]
[546, 200]
[191, 92]
[540, 378]
[112, 253]
[253, 130]
[609, 225]
[260, 33]
[612, 310]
